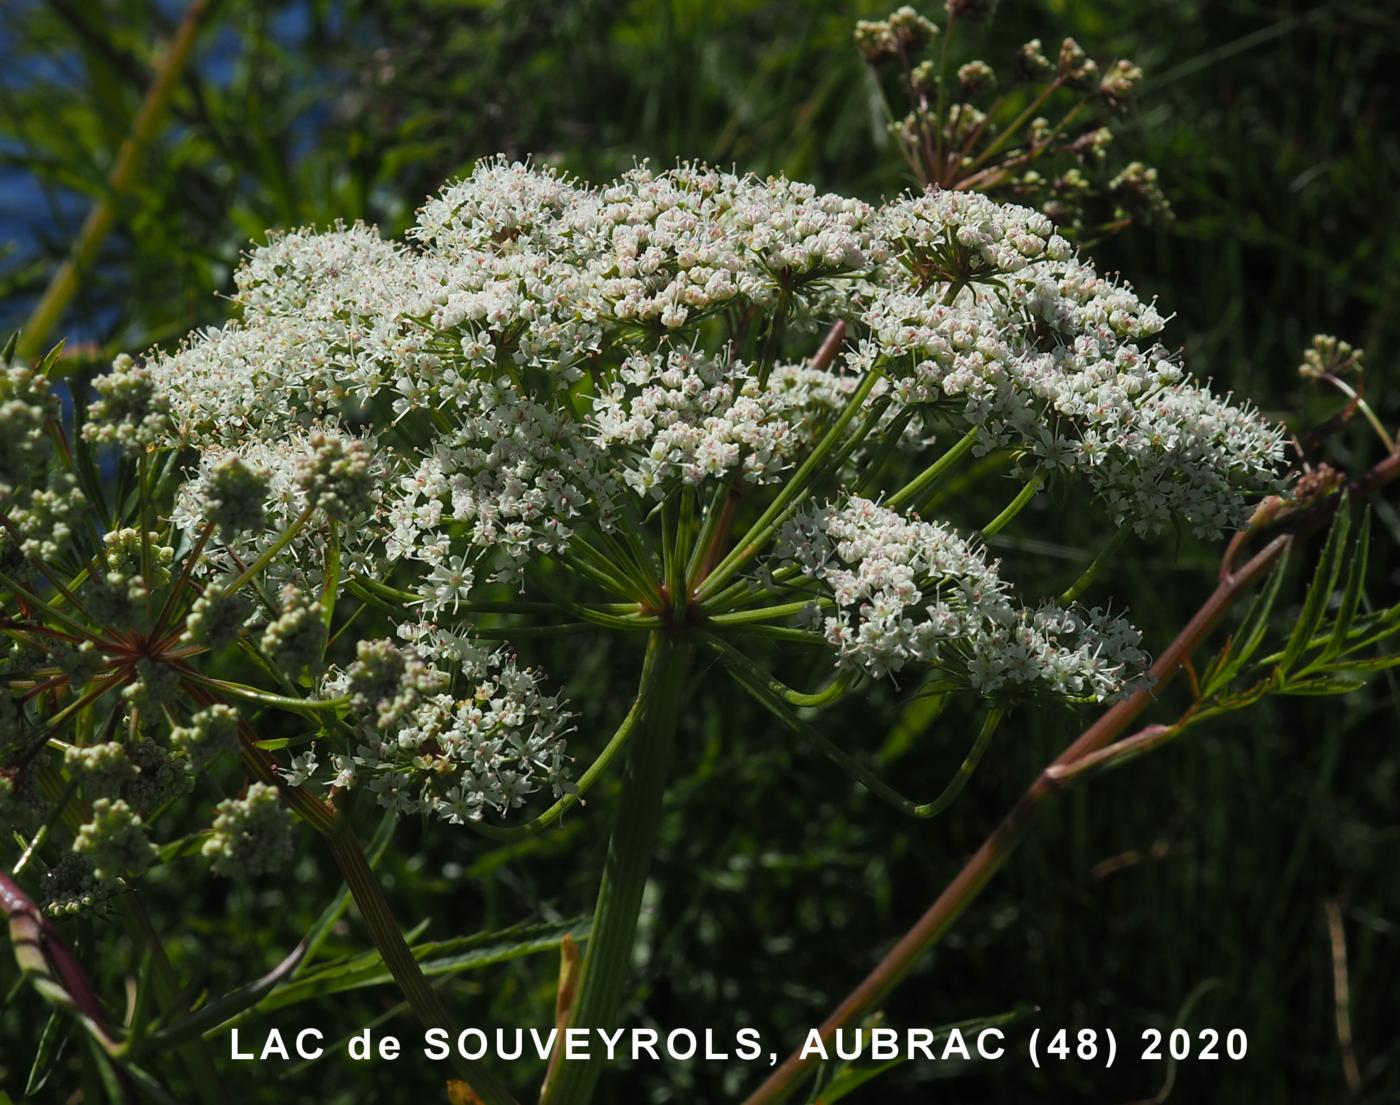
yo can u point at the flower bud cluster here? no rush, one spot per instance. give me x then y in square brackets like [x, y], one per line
[216, 618]
[71, 887]
[235, 496]
[251, 835]
[296, 639]
[103, 768]
[43, 512]
[336, 476]
[903, 34]
[130, 409]
[1329, 356]
[211, 732]
[115, 840]
[27, 408]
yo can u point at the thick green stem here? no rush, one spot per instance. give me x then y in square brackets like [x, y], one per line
[425, 1001]
[610, 943]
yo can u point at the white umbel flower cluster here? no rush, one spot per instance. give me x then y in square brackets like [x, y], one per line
[424, 748]
[986, 317]
[908, 592]
[520, 285]
[542, 361]
[688, 416]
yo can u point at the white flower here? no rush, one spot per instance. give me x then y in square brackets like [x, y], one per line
[913, 592]
[301, 768]
[448, 584]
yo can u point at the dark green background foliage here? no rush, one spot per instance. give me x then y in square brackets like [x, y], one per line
[1190, 887]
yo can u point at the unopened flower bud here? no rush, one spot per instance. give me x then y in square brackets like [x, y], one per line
[235, 495]
[115, 840]
[1076, 68]
[251, 835]
[1031, 64]
[296, 640]
[976, 77]
[1329, 356]
[1119, 83]
[336, 476]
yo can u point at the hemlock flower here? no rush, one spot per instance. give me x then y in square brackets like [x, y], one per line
[586, 394]
[911, 592]
[424, 749]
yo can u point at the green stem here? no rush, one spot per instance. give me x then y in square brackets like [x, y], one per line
[1365, 409]
[267, 698]
[893, 433]
[925, 479]
[1080, 585]
[1013, 508]
[1015, 125]
[716, 517]
[743, 592]
[610, 943]
[20, 591]
[939, 120]
[771, 695]
[679, 557]
[768, 613]
[168, 609]
[271, 551]
[424, 1000]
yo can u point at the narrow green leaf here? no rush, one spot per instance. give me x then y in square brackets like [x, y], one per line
[1319, 590]
[51, 1043]
[51, 358]
[1322, 685]
[445, 957]
[851, 1078]
[185, 846]
[1374, 664]
[1351, 594]
[1256, 623]
[225, 1008]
